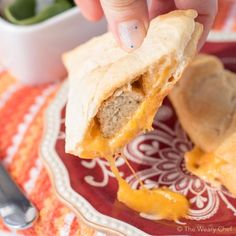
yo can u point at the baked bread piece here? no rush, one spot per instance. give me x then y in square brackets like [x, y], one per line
[205, 102]
[99, 70]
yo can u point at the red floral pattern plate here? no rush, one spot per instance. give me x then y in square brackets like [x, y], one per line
[89, 187]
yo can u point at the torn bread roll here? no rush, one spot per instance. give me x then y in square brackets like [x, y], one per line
[205, 102]
[114, 95]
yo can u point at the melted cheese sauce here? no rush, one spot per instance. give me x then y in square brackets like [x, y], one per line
[97, 145]
[160, 202]
[206, 165]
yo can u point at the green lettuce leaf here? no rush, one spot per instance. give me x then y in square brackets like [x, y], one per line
[23, 12]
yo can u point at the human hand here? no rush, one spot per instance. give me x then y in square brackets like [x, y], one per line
[129, 19]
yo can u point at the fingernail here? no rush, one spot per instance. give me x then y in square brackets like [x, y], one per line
[131, 34]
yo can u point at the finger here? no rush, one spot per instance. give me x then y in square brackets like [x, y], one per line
[128, 20]
[159, 7]
[91, 9]
[207, 11]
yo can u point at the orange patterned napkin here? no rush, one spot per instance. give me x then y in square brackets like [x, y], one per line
[21, 124]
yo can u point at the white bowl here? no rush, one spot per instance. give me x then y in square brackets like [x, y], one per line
[33, 53]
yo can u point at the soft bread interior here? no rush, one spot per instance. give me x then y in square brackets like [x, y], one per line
[116, 111]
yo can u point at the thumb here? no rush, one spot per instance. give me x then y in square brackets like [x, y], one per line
[128, 20]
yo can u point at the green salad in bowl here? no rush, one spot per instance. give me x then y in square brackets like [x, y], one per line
[29, 12]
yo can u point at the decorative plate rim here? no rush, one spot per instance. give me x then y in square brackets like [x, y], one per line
[60, 178]
[59, 175]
